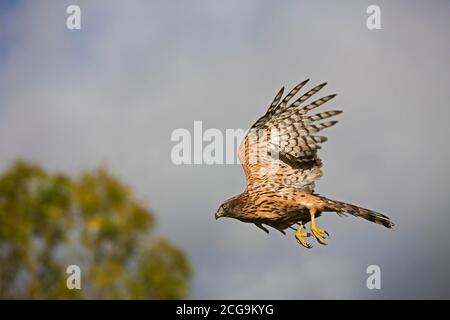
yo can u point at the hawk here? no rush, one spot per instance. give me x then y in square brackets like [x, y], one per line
[279, 155]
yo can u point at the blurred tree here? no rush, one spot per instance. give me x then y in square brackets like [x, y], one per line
[50, 221]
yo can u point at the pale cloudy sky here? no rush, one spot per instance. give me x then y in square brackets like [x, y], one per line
[113, 92]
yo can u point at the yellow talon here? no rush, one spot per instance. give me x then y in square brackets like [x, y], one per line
[299, 236]
[319, 234]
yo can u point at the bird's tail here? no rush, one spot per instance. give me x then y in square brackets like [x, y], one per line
[342, 208]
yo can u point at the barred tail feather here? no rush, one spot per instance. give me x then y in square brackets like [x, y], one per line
[342, 208]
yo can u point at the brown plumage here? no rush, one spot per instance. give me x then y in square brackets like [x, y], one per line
[281, 163]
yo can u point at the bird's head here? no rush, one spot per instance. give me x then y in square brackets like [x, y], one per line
[229, 208]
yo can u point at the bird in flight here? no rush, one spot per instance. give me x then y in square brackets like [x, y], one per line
[280, 158]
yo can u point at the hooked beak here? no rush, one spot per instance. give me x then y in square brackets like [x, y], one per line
[219, 213]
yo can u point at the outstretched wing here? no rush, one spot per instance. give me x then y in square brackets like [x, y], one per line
[280, 149]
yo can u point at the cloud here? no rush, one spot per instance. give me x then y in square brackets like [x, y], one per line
[114, 91]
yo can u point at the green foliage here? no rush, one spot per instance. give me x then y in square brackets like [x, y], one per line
[49, 221]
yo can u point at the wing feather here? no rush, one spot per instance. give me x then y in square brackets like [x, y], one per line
[275, 101]
[307, 95]
[292, 93]
[285, 137]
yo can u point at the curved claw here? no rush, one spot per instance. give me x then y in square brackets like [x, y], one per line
[299, 235]
[321, 240]
[319, 234]
[304, 243]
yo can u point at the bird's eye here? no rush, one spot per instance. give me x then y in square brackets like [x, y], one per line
[224, 206]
